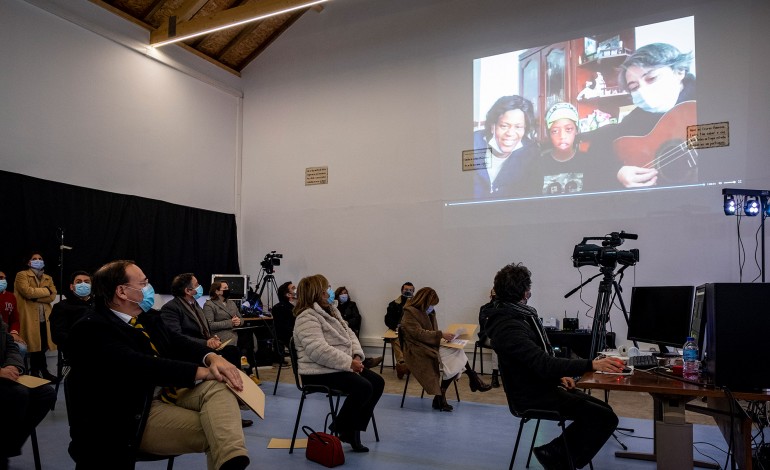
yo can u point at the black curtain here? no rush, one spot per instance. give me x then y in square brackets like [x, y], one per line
[163, 239]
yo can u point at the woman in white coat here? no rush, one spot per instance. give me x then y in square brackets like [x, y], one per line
[329, 354]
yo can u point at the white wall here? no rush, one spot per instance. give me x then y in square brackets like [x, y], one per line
[82, 109]
[381, 92]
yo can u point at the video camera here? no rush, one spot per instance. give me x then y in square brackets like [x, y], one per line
[271, 260]
[606, 255]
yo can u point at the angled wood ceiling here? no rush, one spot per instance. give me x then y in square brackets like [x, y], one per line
[232, 49]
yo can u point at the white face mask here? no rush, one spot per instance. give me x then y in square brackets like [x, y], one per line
[658, 97]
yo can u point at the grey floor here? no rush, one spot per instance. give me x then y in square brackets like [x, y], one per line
[474, 436]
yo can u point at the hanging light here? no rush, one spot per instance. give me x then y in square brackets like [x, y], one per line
[751, 206]
[730, 206]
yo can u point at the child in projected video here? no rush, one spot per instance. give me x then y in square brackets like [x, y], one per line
[651, 140]
[561, 167]
[508, 136]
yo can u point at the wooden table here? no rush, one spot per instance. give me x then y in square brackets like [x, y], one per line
[672, 434]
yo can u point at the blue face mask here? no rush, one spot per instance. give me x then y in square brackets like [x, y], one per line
[83, 289]
[331, 294]
[148, 297]
[344, 298]
[37, 264]
[3, 285]
[429, 310]
[198, 292]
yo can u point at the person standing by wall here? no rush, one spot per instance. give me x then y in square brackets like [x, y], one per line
[34, 292]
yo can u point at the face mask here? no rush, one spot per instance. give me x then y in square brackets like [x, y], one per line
[408, 294]
[657, 97]
[198, 292]
[344, 298]
[429, 310]
[3, 285]
[37, 264]
[331, 294]
[225, 294]
[83, 289]
[148, 297]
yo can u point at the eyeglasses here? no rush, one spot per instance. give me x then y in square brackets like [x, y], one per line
[141, 283]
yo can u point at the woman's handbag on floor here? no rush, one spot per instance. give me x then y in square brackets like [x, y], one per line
[323, 448]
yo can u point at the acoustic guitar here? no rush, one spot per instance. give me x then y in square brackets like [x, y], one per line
[666, 148]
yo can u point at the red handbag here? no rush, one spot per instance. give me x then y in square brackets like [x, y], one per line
[323, 448]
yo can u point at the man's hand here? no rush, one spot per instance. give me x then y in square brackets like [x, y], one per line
[568, 383]
[10, 373]
[637, 177]
[608, 364]
[213, 342]
[356, 365]
[222, 371]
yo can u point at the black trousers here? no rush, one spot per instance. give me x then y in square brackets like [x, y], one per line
[23, 409]
[364, 391]
[593, 421]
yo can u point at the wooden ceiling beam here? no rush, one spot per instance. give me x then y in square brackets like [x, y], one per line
[222, 19]
[187, 9]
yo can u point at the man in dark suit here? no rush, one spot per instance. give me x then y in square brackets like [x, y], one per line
[184, 316]
[124, 362]
[22, 408]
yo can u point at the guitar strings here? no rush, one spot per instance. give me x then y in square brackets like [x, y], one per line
[670, 156]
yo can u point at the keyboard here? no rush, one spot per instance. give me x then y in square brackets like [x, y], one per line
[643, 362]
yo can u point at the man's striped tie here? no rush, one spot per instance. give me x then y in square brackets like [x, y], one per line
[167, 394]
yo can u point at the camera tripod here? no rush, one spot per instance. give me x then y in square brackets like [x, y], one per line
[266, 280]
[609, 288]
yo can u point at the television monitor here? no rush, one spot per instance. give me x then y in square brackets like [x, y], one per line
[238, 284]
[661, 315]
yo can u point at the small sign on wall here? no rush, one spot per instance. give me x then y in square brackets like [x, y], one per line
[703, 136]
[475, 159]
[316, 175]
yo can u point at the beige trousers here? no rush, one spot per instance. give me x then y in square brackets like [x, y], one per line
[394, 343]
[205, 418]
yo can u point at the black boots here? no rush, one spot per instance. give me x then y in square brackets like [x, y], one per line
[354, 439]
[495, 378]
[439, 402]
[475, 381]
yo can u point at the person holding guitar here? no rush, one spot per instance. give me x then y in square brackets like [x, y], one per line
[651, 140]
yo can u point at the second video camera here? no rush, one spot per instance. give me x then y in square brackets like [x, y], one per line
[271, 260]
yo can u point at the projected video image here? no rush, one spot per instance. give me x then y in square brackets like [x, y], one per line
[593, 114]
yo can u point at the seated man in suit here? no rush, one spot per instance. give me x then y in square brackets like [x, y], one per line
[183, 315]
[123, 358]
[22, 408]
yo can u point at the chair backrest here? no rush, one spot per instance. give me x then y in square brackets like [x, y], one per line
[294, 363]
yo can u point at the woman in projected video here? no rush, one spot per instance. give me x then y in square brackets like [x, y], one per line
[509, 138]
[651, 141]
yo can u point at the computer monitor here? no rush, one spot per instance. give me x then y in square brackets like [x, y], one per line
[698, 322]
[238, 284]
[661, 315]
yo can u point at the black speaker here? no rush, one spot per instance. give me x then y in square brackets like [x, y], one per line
[737, 325]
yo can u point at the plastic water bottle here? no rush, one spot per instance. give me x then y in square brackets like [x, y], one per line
[690, 371]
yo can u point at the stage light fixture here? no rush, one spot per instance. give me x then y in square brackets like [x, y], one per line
[730, 206]
[767, 207]
[751, 206]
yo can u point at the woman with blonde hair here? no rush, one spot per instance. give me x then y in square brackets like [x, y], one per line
[328, 353]
[434, 366]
